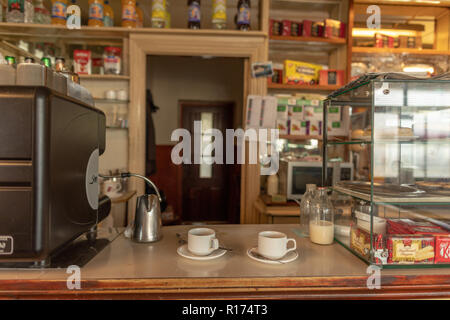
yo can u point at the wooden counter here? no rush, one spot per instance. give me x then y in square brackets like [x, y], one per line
[129, 270]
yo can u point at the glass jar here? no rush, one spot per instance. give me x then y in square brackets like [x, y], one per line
[112, 60]
[41, 14]
[305, 208]
[321, 220]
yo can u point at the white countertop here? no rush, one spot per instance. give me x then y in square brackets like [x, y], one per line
[124, 259]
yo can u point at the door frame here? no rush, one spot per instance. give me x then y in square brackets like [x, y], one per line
[251, 46]
[195, 103]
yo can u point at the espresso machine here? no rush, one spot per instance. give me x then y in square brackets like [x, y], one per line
[50, 144]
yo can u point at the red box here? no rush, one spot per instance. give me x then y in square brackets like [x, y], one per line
[286, 29]
[343, 31]
[442, 253]
[306, 30]
[331, 77]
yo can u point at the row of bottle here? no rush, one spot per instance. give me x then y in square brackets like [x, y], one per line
[219, 15]
[101, 13]
[30, 73]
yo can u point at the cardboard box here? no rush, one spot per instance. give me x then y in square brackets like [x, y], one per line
[313, 110]
[315, 127]
[331, 77]
[298, 72]
[334, 113]
[296, 29]
[282, 118]
[360, 242]
[410, 249]
[299, 127]
[286, 28]
[442, 253]
[306, 29]
[332, 28]
[282, 126]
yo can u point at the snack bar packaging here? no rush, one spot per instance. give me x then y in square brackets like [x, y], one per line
[410, 249]
[360, 242]
[442, 253]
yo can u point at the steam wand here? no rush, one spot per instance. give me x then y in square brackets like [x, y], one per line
[128, 175]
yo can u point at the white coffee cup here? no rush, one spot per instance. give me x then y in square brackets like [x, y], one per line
[122, 95]
[112, 188]
[110, 95]
[273, 244]
[202, 241]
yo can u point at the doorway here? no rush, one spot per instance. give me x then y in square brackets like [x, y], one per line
[210, 192]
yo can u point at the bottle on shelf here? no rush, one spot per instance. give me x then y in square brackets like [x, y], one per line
[46, 61]
[272, 185]
[41, 14]
[96, 9]
[167, 17]
[129, 13]
[108, 15]
[243, 15]
[305, 208]
[15, 11]
[59, 10]
[7, 72]
[29, 11]
[219, 16]
[321, 220]
[139, 16]
[194, 14]
[159, 13]
[60, 64]
[29, 60]
[10, 60]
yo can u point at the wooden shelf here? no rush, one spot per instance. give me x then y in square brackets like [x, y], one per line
[303, 87]
[302, 138]
[103, 77]
[57, 31]
[308, 137]
[399, 50]
[334, 41]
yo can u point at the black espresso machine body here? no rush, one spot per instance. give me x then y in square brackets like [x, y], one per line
[49, 150]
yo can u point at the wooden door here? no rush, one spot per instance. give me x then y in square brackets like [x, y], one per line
[206, 194]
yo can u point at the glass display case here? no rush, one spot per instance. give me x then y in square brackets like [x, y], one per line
[400, 148]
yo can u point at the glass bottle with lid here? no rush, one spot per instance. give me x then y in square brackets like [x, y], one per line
[305, 208]
[321, 220]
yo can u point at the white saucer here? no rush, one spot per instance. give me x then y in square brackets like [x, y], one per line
[184, 252]
[289, 257]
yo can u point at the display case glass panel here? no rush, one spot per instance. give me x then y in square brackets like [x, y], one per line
[400, 149]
